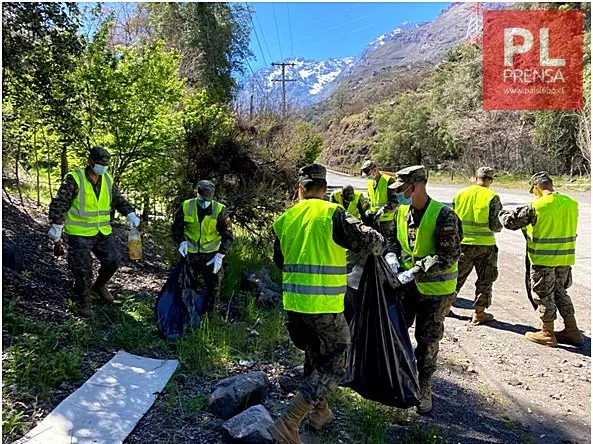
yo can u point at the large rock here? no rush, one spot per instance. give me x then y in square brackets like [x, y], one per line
[234, 394]
[250, 426]
[268, 292]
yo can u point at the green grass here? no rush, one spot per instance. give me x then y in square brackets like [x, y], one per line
[366, 421]
[418, 435]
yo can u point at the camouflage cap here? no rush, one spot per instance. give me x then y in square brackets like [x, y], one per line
[411, 174]
[313, 171]
[538, 178]
[486, 172]
[100, 155]
[367, 165]
[206, 189]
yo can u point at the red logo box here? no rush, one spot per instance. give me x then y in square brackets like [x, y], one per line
[533, 60]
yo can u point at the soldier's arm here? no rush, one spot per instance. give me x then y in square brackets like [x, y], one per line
[178, 226]
[60, 204]
[518, 218]
[119, 202]
[278, 256]
[350, 233]
[224, 227]
[391, 196]
[493, 221]
[449, 234]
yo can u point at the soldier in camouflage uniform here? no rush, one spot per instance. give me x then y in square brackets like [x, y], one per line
[428, 251]
[382, 201]
[551, 252]
[310, 248]
[478, 207]
[78, 206]
[207, 262]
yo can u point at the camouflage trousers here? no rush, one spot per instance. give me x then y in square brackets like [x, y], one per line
[388, 230]
[212, 281]
[80, 261]
[485, 260]
[549, 285]
[324, 338]
[429, 312]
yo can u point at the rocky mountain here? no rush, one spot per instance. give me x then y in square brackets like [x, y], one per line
[409, 47]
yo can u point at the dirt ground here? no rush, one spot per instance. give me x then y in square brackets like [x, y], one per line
[492, 385]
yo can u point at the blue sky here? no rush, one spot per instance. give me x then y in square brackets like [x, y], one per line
[326, 30]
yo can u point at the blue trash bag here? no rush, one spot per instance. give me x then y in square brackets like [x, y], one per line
[180, 304]
[380, 364]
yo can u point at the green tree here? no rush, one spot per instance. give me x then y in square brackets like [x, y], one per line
[213, 39]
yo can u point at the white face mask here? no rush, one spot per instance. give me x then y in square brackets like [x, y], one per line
[99, 169]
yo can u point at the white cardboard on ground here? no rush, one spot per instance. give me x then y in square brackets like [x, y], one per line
[108, 406]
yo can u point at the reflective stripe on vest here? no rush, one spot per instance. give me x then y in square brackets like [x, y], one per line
[472, 205]
[201, 237]
[314, 273]
[352, 206]
[552, 241]
[441, 284]
[379, 197]
[88, 215]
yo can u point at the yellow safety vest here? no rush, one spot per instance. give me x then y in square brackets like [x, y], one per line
[201, 237]
[441, 284]
[552, 241]
[379, 197]
[314, 273]
[472, 205]
[88, 215]
[352, 206]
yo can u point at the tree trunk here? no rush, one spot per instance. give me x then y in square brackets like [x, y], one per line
[64, 161]
[16, 171]
[37, 178]
[146, 207]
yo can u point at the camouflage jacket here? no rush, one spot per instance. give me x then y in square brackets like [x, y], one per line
[518, 218]
[223, 226]
[68, 191]
[449, 234]
[348, 232]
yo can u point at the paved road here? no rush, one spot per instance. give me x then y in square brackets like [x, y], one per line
[553, 396]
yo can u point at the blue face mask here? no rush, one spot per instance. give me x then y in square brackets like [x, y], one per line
[99, 169]
[203, 203]
[402, 199]
[370, 176]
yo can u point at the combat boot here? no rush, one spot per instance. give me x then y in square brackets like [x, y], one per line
[425, 395]
[101, 291]
[286, 429]
[571, 333]
[321, 415]
[481, 317]
[545, 336]
[83, 306]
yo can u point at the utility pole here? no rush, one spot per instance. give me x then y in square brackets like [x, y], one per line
[283, 80]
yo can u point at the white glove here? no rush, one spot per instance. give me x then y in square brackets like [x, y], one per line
[55, 232]
[380, 213]
[406, 276]
[391, 259]
[183, 248]
[133, 219]
[217, 261]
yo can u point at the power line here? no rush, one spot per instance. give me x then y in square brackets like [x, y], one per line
[258, 42]
[277, 32]
[263, 36]
[289, 29]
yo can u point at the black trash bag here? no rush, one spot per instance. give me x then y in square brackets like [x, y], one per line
[180, 303]
[380, 364]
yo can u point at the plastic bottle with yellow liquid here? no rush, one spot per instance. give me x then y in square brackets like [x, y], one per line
[134, 244]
